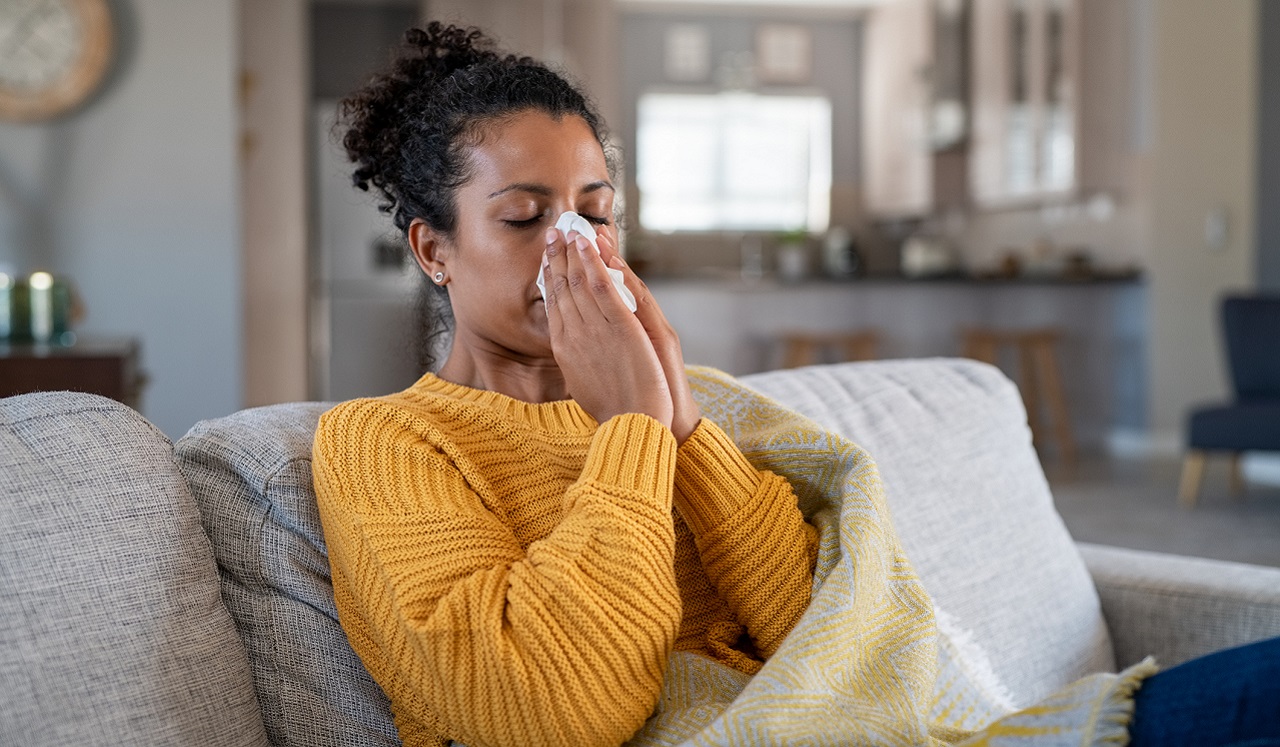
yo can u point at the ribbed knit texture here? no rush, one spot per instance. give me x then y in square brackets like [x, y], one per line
[513, 573]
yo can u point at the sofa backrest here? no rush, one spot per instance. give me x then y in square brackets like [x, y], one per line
[251, 475]
[971, 504]
[112, 630]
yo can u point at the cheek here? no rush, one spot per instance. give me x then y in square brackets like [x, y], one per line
[511, 260]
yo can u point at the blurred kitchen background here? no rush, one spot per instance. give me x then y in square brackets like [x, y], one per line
[804, 181]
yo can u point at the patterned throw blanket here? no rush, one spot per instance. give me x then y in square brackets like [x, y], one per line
[866, 664]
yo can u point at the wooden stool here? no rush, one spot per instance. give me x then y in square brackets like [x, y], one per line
[806, 348]
[1038, 374]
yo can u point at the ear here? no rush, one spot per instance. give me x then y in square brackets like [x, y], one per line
[429, 249]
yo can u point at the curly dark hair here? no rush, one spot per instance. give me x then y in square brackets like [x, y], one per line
[408, 131]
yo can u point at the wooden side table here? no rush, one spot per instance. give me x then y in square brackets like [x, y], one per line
[105, 366]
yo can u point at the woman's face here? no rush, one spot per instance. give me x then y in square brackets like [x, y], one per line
[525, 172]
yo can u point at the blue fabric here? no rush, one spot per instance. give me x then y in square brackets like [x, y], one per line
[1245, 427]
[1251, 325]
[1226, 699]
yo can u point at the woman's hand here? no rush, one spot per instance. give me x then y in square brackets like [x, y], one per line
[685, 411]
[605, 355]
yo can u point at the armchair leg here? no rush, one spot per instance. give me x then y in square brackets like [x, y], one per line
[1235, 478]
[1192, 473]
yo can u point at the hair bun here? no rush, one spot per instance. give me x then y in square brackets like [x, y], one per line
[445, 48]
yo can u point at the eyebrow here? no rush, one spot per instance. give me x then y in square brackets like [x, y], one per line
[545, 191]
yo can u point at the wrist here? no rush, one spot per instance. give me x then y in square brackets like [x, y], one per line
[683, 428]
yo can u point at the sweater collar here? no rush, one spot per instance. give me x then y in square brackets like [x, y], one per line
[561, 415]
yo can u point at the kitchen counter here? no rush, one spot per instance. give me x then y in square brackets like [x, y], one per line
[732, 278]
[736, 325]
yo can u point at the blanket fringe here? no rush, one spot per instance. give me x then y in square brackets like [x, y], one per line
[1111, 728]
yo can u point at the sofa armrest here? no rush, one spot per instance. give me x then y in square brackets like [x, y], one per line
[1176, 607]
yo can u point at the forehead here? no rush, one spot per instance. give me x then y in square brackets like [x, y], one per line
[534, 146]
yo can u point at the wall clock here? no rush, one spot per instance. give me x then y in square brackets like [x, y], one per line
[53, 55]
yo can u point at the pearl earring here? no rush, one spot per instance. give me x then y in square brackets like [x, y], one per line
[438, 277]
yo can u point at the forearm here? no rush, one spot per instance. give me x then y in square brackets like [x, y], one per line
[757, 550]
[567, 645]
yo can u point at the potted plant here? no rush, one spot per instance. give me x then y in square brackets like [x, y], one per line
[792, 255]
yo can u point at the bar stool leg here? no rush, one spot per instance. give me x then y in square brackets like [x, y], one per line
[799, 351]
[980, 346]
[1056, 399]
[1030, 392]
[860, 347]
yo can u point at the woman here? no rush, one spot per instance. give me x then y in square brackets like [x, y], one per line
[521, 540]
[525, 543]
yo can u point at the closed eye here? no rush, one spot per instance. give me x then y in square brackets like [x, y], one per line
[530, 222]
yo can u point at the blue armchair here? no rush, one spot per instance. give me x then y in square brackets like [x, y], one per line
[1252, 421]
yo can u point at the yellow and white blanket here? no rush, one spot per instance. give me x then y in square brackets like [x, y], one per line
[866, 664]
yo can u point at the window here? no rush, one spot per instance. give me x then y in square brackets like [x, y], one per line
[733, 161]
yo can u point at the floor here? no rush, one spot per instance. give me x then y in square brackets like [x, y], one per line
[1133, 503]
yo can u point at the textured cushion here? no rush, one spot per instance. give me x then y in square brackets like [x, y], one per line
[1243, 427]
[112, 631]
[1251, 326]
[972, 507]
[251, 475]
[1176, 607]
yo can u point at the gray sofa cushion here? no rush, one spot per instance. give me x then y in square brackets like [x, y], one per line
[251, 476]
[972, 507]
[112, 630]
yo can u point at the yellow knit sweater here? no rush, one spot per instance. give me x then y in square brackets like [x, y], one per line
[518, 574]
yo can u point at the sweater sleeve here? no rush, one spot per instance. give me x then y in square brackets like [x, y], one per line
[565, 642]
[755, 545]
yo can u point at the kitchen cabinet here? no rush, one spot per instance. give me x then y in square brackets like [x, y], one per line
[1025, 99]
[1042, 111]
[915, 108]
[1050, 100]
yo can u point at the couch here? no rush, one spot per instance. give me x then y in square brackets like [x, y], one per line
[179, 594]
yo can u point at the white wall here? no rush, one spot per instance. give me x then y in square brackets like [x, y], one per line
[1202, 158]
[140, 190]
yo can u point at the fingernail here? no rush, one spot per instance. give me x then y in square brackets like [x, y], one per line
[582, 243]
[551, 235]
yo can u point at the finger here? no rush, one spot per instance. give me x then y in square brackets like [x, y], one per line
[590, 282]
[561, 305]
[607, 241]
[647, 310]
[555, 319]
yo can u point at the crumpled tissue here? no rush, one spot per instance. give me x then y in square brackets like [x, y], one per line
[571, 221]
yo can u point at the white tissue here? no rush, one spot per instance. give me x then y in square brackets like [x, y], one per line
[571, 221]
